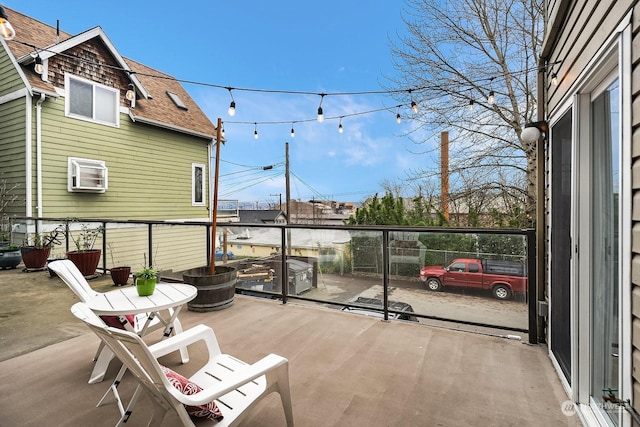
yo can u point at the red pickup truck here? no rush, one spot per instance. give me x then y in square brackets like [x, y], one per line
[503, 278]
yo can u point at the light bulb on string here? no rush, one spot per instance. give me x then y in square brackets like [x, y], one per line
[491, 99]
[293, 132]
[38, 68]
[6, 29]
[414, 106]
[222, 131]
[320, 112]
[131, 92]
[398, 117]
[232, 105]
[554, 79]
[340, 128]
[471, 104]
[255, 131]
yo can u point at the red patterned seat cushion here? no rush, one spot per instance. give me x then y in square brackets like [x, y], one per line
[184, 386]
[114, 322]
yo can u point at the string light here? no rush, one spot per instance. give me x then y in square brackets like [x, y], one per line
[38, 68]
[255, 131]
[131, 92]
[340, 128]
[414, 106]
[320, 112]
[222, 131]
[293, 132]
[232, 106]
[492, 96]
[320, 116]
[6, 29]
[554, 79]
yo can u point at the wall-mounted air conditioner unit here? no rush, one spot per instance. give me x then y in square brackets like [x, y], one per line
[87, 175]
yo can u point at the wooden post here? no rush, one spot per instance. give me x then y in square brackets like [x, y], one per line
[444, 173]
[214, 216]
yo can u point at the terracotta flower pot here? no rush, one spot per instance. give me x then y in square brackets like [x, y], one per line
[120, 275]
[34, 258]
[86, 261]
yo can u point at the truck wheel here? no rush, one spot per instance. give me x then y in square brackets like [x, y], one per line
[502, 292]
[433, 284]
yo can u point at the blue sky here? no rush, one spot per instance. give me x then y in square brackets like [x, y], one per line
[320, 47]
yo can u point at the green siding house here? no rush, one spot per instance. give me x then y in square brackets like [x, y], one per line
[95, 135]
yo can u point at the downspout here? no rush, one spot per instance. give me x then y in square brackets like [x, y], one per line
[540, 205]
[39, 153]
[28, 182]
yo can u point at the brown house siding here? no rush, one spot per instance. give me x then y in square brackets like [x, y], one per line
[82, 61]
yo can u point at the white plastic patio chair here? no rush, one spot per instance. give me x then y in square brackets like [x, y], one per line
[234, 385]
[143, 324]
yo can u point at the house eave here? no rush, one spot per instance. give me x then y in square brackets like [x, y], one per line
[171, 127]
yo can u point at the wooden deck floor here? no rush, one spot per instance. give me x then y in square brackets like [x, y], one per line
[345, 370]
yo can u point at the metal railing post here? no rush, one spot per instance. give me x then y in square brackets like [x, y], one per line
[385, 273]
[104, 247]
[284, 280]
[150, 237]
[532, 284]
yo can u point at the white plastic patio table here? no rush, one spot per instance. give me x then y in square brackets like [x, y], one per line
[126, 300]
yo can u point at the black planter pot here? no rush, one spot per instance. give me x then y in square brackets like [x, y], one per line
[9, 257]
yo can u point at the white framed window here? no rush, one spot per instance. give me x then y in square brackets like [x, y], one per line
[87, 100]
[86, 175]
[198, 181]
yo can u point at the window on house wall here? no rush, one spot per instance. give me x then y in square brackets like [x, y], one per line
[88, 100]
[198, 180]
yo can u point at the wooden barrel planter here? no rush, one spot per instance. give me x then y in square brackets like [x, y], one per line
[215, 292]
[86, 261]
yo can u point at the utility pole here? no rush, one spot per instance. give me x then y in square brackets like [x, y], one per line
[444, 173]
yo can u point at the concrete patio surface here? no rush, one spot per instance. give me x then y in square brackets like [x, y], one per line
[345, 369]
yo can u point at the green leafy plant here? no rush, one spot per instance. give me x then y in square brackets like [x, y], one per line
[147, 272]
[86, 238]
[46, 239]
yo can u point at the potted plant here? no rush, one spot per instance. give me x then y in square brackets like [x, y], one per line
[35, 252]
[85, 257]
[119, 274]
[146, 281]
[10, 256]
